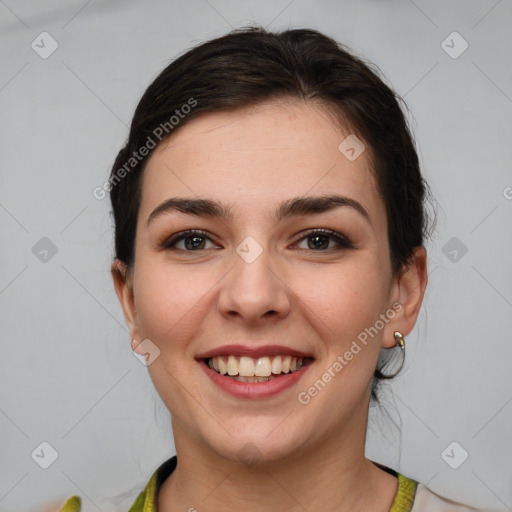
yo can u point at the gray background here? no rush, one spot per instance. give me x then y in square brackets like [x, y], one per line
[68, 376]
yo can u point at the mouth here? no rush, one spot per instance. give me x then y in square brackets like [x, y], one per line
[255, 376]
[255, 370]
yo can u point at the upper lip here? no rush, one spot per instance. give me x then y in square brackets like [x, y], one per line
[255, 352]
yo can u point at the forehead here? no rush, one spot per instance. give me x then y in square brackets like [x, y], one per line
[253, 158]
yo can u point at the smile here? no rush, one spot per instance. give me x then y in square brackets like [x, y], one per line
[261, 369]
[255, 385]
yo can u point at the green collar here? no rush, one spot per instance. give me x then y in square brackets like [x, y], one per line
[147, 500]
[404, 497]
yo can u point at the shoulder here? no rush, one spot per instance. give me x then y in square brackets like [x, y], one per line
[426, 500]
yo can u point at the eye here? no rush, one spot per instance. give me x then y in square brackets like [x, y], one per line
[320, 239]
[193, 240]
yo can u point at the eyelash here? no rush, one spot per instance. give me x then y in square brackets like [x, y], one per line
[342, 240]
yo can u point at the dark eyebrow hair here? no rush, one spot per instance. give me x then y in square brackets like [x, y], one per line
[291, 207]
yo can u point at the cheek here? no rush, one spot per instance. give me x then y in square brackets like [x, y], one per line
[344, 299]
[168, 302]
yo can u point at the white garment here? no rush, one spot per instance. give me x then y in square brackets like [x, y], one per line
[426, 500]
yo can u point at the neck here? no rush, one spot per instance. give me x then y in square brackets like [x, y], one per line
[333, 475]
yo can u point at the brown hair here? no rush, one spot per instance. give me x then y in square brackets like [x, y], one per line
[251, 65]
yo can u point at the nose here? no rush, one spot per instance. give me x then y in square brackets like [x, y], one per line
[253, 291]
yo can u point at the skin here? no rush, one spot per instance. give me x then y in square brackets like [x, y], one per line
[317, 300]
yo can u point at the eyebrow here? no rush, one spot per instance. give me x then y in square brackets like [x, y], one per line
[305, 205]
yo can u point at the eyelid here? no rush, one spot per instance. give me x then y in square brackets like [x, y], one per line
[167, 241]
[342, 240]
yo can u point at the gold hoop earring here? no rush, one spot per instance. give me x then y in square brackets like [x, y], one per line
[400, 342]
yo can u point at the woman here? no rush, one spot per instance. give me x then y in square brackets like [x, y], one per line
[269, 235]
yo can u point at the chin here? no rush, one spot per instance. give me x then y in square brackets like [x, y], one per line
[259, 447]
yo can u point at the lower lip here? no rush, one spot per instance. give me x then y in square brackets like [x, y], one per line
[265, 389]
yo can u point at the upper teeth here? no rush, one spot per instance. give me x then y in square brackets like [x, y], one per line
[249, 367]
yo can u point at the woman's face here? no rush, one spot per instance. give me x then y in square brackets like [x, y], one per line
[261, 281]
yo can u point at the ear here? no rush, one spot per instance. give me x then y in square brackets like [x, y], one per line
[406, 295]
[123, 283]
